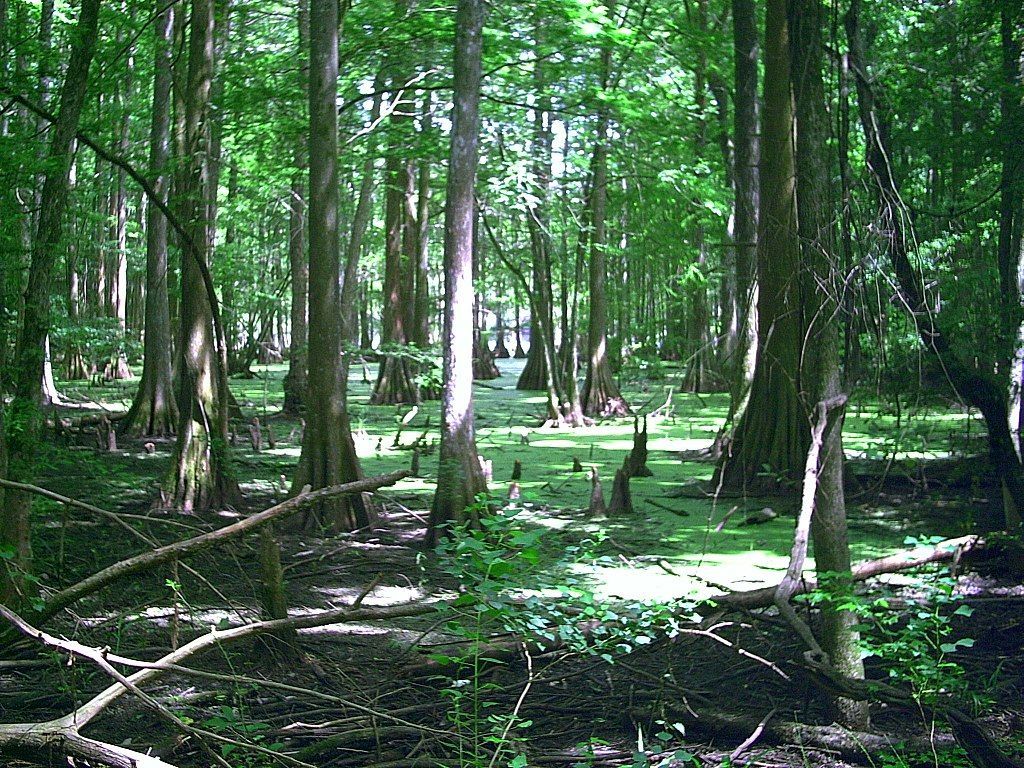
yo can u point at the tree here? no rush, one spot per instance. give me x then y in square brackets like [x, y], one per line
[200, 476]
[741, 339]
[23, 420]
[822, 278]
[328, 453]
[154, 409]
[601, 395]
[770, 441]
[396, 376]
[296, 381]
[459, 477]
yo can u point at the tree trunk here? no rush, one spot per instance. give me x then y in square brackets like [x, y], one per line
[519, 353]
[23, 420]
[354, 249]
[537, 374]
[500, 348]
[396, 375]
[484, 367]
[769, 446]
[746, 154]
[460, 478]
[154, 410]
[823, 283]
[601, 395]
[117, 366]
[200, 477]
[421, 298]
[328, 453]
[295, 381]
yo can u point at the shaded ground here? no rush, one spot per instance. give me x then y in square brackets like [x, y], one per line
[910, 479]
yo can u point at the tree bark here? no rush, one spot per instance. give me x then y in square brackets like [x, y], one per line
[460, 478]
[484, 367]
[601, 395]
[117, 366]
[770, 441]
[822, 304]
[396, 376]
[154, 409]
[23, 420]
[200, 477]
[295, 381]
[328, 452]
[421, 298]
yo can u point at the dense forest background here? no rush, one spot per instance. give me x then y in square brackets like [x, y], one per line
[389, 383]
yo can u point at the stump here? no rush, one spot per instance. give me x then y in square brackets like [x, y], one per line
[597, 505]
[636, 462]
[255, 434]
[622, 501]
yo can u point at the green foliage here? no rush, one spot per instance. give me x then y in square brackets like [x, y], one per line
[97, 338]
[643, 363]
[231, 722]
[507, 573]
[915, 641]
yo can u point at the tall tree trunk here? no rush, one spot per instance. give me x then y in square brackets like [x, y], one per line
[200, 477]
[484, 367]
[24, 418]
[460, 478]
[699, 357]
[770, 442]
[74, 357]
[537, 374]
[328, 453]
[822, 305]
[295, 381]
[354, 249]
[154, 409]
[50, 395]
[601, 395]
[117, 366]
[421, 324]
[746, 154]
[396, 374]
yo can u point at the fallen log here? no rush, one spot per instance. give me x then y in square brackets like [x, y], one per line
[944, 551]
[190, 547]
[853, 746]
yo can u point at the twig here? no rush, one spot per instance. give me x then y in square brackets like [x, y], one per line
[749, 741]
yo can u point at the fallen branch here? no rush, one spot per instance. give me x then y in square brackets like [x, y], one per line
[853, 746]
[948, 550]
[113, 517]
[50, 742]
[801, 537]
[190, 547]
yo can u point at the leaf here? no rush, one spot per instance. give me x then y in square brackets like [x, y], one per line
[519, 761]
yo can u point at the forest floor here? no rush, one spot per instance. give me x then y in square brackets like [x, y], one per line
[667, 697]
